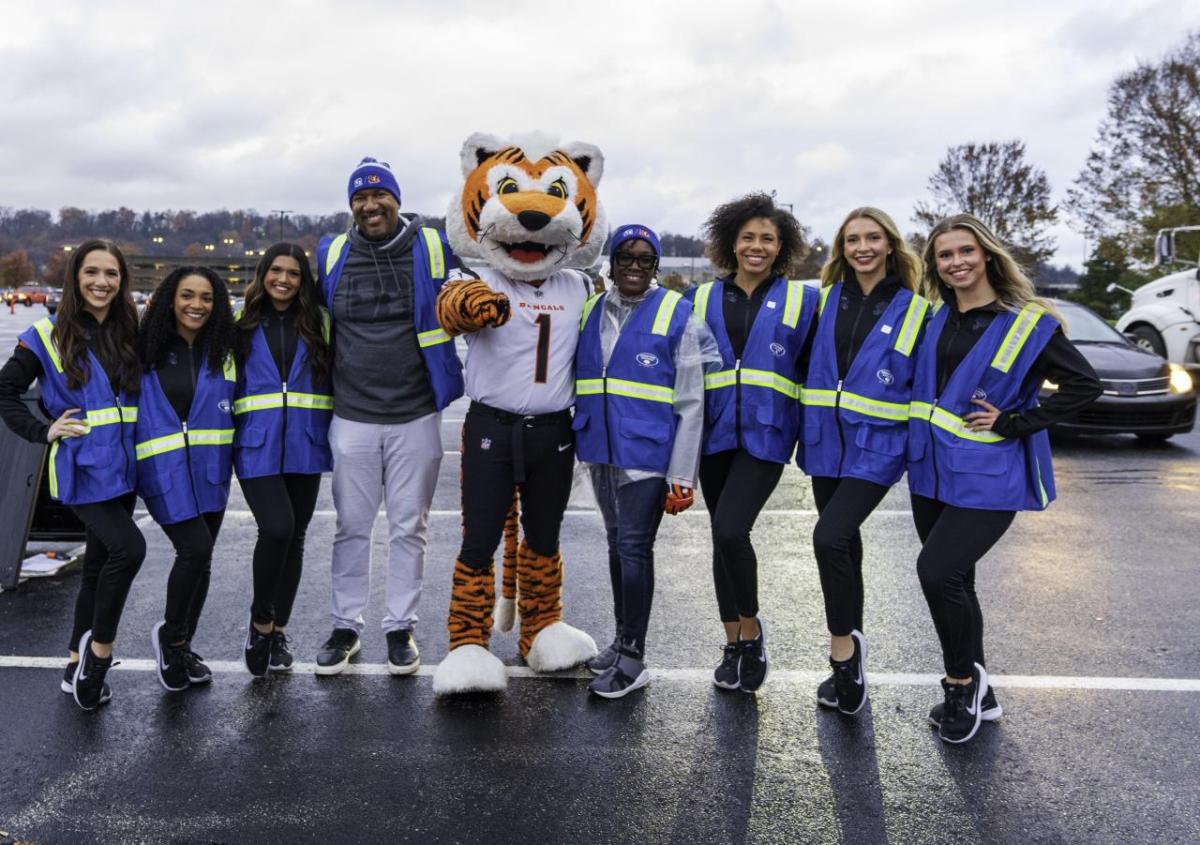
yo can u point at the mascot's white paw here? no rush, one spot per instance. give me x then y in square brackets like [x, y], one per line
[505, 615]
[559, 646]
[469, 668]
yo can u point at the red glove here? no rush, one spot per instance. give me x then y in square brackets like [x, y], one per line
[679, 499]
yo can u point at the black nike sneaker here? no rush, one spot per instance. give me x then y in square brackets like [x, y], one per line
[281, 653]
[752, 666]
[169, 660]
[850, 677]
[962, 710]
[68, 681]
[88, 686]
[256, 652]
[991, 712]
[726, 674]
[197, 670]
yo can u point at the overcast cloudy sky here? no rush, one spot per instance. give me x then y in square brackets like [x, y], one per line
[269, 105]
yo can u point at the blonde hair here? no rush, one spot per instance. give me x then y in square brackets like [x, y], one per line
[1005, 275]
[901, 262]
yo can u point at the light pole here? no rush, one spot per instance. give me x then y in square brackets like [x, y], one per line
[281, 212]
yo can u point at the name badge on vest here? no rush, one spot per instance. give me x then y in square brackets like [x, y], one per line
[886, 329]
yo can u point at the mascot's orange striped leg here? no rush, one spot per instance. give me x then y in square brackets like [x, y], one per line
[506, 611]
[471, 600]
[547, 643]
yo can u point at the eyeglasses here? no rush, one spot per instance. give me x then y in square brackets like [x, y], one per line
[644, 262]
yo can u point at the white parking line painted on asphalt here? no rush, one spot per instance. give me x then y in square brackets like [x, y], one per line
[245, 514]
[890, 679]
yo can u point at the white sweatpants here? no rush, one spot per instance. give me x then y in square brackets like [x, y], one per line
[396, 464]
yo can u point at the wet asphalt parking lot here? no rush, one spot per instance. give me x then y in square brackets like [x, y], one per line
[1091, 632]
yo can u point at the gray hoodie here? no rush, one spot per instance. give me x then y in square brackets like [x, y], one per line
[379, 375]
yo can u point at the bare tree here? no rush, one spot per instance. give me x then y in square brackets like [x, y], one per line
[994, 182]
[1144, 169]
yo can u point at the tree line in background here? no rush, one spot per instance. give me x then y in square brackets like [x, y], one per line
[1141, 174]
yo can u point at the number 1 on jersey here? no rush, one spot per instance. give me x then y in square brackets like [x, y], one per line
[543, 349]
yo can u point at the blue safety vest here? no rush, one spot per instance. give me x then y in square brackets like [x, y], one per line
[99, 465]
[753, 403]
[948, 461]
[429, 274]
[625, 411]
[183, 468]
[858, 427]
[281, 426]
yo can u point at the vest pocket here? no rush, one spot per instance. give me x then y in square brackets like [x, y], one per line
[644, 429]
[885, 440]
[318, 435]
[249, 436]
[152, 482]
[580, 421]
[980, 460]
[218, 472]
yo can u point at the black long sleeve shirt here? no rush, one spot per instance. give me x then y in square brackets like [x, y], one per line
[279, 329]
[740, 310]
[857, 315]
[1058, 361]
[178, 372]
[24, 368]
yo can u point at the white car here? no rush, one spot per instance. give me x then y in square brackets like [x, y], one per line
[1164, 318]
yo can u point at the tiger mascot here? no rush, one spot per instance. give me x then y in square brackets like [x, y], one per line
[528, 208]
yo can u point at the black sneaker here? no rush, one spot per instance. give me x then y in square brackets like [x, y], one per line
[68, 681]
[752, 666]
[606, 659]
[197, 670]
[404, 657]
[962, 707]
[850, 677]
[281, 654]
[726, 675]
[256, 651]
[168, 661]
[991, 709]
[827, 694]
[342, 644]
[623, 677]
[88, 687]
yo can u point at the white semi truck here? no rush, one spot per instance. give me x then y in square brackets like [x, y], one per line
[1164, 316]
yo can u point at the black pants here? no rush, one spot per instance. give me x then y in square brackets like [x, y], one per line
[844, 505]
[282, 506]
[750, 483]
[187, 585]
[500, 451]
[115, 551]
[953, 541]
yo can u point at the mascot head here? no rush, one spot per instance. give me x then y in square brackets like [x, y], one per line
[528, 207]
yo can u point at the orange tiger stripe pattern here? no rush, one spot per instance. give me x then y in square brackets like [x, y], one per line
[540, 601]
[472, 597]
[508, 576]
[478, 190]
[468, 306]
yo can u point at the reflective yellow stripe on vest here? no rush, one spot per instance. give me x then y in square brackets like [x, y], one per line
[952, 423]
[270, 401]
[906, 338]
[892, 411]
[326, 324]
[791, 308]
[432, 338]
[53, 470]
[588, 305]
[824, 296]
[230, 368]
[45, 330]
[717, 380]
[701, 302]
[666, 310]
[1018, 333]
[312, 401]
[437, 260]
[623, 387]
[335, 252]
[773, 381]
[177, 441]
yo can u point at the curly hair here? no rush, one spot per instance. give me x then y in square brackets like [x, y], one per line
[310, 321]
[218, 336]
[117, 338]
[723, 225]
[902, 262]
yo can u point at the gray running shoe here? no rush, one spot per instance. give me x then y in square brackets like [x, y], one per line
[623, 677]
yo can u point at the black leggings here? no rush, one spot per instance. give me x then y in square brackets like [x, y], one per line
[115, 551]
[537, 458]
[735, 566]
[282, 506]
[953, 541]
[187, 586]
[843, 504]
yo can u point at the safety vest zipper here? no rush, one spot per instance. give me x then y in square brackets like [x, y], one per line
[837, 419]
[607, 429]
[187, 456]
[283, 435]
[933, 447]
[737, 402]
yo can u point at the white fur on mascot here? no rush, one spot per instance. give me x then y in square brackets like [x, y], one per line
[528, 208]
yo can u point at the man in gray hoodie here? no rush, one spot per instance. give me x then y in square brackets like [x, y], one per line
[380, 282]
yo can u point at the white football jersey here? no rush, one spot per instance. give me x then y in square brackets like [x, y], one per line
[527, 366]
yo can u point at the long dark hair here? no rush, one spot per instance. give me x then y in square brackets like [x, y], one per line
[722, 227]
[310, 322]
[219, 334]
[116, 338]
